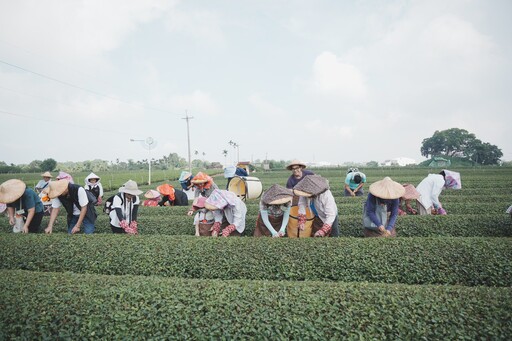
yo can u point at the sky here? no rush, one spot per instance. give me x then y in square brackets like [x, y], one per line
[325, 81]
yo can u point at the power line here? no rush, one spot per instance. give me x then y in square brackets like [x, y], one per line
[82, 88]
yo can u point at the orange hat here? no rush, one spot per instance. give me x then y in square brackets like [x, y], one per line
[166, 190]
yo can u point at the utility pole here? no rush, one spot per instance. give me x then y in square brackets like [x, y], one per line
[187, 118]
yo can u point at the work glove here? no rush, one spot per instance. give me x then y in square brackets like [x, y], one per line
[301, 221]
[324, 231]
[441, 211]
[228, 230]
[99, 201]
[123, 224]
[215, 229]
[132, 228]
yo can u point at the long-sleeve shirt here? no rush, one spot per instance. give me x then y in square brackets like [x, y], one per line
[235, 215]
[124, 210]
[430, 188]
[391, 206]
[292, 181]
[325, 206]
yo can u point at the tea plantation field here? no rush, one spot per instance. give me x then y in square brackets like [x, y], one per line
[442, 278]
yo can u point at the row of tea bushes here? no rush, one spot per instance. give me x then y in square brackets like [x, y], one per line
[37, 305]
[163, 222]
[456, 261]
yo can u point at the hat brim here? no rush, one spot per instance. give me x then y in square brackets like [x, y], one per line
[130, 191]
[199, 182]
[281, 201]
[210, 207]
[290, 166]
[302, 194]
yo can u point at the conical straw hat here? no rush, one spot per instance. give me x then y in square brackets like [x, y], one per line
[56, 188]
[387, 189]
[410, 192]
[11, 190]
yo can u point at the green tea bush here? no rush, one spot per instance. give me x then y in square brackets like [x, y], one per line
[457, 261]
[52, 305]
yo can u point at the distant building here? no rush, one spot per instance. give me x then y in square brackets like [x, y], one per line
[399, 161]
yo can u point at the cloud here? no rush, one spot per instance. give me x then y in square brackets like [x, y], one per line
[333, 77]
[198, 101]
[79, 29]
[326, 130]
[264, 107]
[204, 26]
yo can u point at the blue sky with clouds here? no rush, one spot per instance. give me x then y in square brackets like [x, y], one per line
[322, 81]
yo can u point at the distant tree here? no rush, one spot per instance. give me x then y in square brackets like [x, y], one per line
[484, 153]
[372, 164]
[457, 142]
[48, 165]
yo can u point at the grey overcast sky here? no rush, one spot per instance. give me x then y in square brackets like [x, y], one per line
[322, 81]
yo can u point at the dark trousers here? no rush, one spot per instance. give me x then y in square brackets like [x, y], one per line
[35, 224]
[335, 228]
[117, 229]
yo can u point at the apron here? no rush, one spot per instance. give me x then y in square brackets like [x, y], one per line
[382, 213]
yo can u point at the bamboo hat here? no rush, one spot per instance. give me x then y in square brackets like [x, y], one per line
[47, 175]
[56, 188]
[277, 195]
[410, 192]
[387, 189]
[311, 185]
[152, 194]
[11, 190]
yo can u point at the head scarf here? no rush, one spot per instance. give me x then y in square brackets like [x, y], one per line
[166, 190]
[202, 178]
[65, 176]
[221, 198]
[92, 176]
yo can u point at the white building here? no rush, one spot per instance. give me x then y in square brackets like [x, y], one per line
[399, 161]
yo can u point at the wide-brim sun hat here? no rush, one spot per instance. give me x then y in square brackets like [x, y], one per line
[295, 163]
[47, 175]
[56, 188]
[11, 190]
[152, 194]
[199, 202]
[387, 189]
[410, 192]
[185, 176]
[130, 187]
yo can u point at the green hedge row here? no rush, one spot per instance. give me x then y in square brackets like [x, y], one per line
[70, 306]
[475, 225]
[457, 261]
